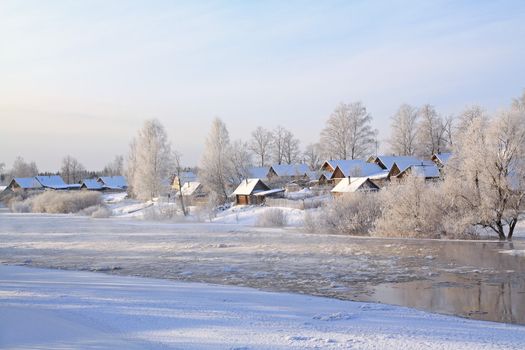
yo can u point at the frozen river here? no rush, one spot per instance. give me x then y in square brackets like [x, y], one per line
[481, 280]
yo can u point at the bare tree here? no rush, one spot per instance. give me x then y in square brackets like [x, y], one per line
[72, 171]
[150, 161]
[519, 103]
[431, 131]
[348, 133]
[240, 162]
[486, 177]
[291, 150]
[313, 156]
[178, 170]
[115, 168]
[260, 144]
[404, 131]
[2, 173]
[278, 136]
[21, 168]
[216, 161]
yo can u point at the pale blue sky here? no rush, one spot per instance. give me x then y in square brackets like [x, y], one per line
[79, 77]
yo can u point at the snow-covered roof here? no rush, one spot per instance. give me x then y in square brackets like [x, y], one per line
[269, 192]
[358, 168]
[326, 174]
[259, 172]
[53, 181]
[424, 169]
[353, 184]
[189, 188]
[402, 162]
[114, 182]
[290, 169]
[92, 184]
[187, 176]
[442, 157]
[247, 187]
[313, 175]
[27, 182]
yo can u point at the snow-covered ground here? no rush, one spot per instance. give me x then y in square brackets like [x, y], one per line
[55, 309]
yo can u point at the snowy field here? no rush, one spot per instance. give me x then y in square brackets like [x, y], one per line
[55, 309]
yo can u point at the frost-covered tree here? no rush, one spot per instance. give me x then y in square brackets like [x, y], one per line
[432, 129]
[519, 103]
[2, 173]
[348, 133]
[404, 131]
[277, 144]
[178, 170]
[21, 168]
[313, 156]
[240, 162]
[215, 170]
[291, 149]
[72, 171]
[485, 180]
[150, 161]
[260, 145]
[114, 168]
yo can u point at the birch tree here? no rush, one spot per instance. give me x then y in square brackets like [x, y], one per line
[260, 145]
[216, 161]
[431, 131]
[486, 177]
[150, 161]
[404, 131]
[240, 162]
[348, 133]
[519, 103]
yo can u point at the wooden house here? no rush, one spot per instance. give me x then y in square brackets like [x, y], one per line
[114, 183]
[91, 185]
[355, 184]
[289, 171]
[357, 168]
[24, 184]
[387, 162]
[426, 169]
[55, 182]
[185, 176]
[254, 191]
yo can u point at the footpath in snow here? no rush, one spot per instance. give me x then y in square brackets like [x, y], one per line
[57, 309]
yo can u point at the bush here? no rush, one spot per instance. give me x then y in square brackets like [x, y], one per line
[57, 202]
[353, 214]
[412, 208]
[271, 217]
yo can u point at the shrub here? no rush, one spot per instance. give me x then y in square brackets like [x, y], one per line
[101, 213]
[271, 217]
[57, 202]
[353, 214]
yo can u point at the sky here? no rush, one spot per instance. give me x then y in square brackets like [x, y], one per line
[80, 77]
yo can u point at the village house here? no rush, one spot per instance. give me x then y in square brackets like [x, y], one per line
[254, 191]
[24, 184]
[193, 192]
[91, 185]
[425, 169]
[387, 162]
[357, 168]
[114, 183]
[185, 176]
[354, 184]
[258, 172]
[289, 171]
[55, 182]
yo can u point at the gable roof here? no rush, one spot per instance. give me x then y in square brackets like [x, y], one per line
[250, 186]
[114, 182]
[187, 176]
[258, 172]
[442, 158]
[358, 168]
[402, 162]
[290, 169]
[92, 184]
[189, 188]
[354, 184]
[26, 182]
[53, 181]
[427, 170]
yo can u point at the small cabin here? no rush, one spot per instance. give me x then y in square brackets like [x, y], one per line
[254, 191]
[24, 184]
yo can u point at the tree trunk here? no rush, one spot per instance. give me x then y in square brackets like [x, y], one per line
[512, 225]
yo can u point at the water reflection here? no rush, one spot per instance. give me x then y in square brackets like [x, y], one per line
[493, 289]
